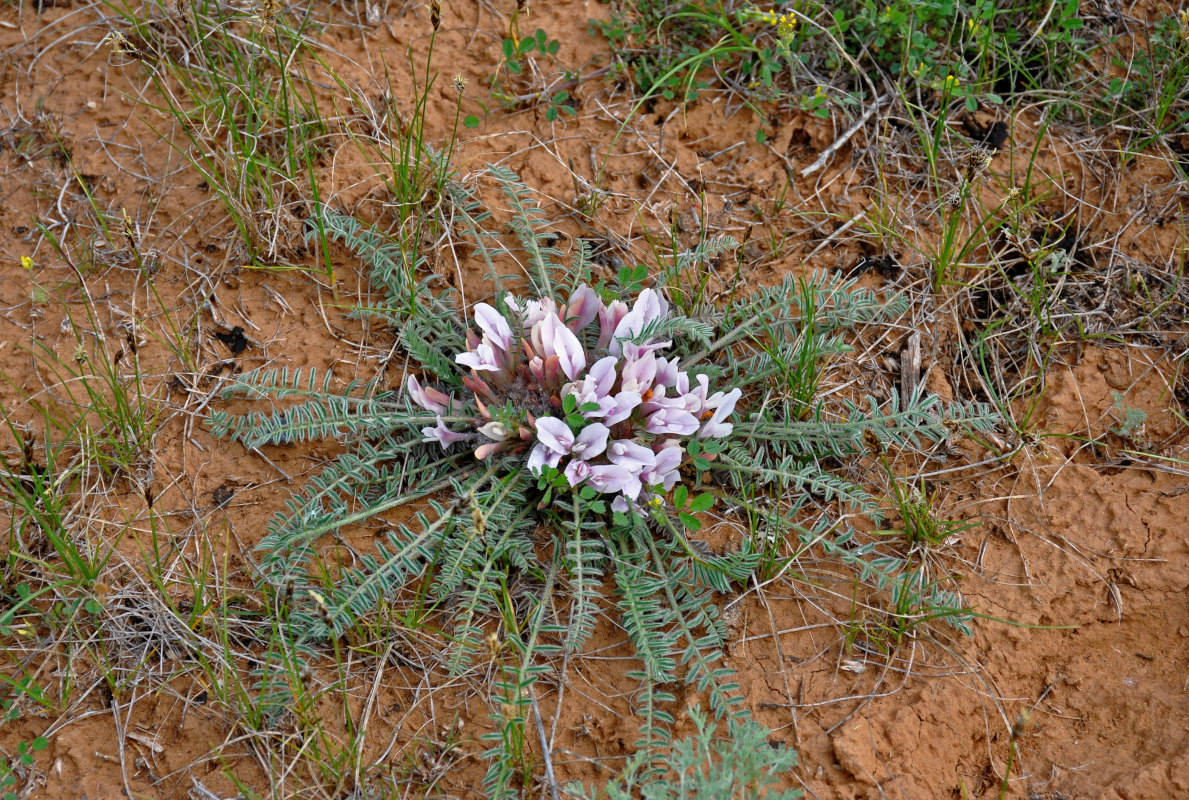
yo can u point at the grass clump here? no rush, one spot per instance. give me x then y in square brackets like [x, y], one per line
[1147, 90]
[245, 113]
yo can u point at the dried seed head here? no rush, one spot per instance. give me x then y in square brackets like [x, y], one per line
[435, 13]
[460, 84]
[872, 441]
[267, 14]
[521, 5]
[1017, 729]
[120, 45]
[980, 159]
[129, 230]
[323, 610]
[494, 645]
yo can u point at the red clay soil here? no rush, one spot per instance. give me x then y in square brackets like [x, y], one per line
[1078, 566]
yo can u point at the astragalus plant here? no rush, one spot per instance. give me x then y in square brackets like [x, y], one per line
[565, 441]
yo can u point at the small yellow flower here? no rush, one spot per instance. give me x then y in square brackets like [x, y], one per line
[950, 83]
[656, 501]
[27, 263]
[786, 26]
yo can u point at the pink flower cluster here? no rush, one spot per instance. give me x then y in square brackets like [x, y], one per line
[616, 425]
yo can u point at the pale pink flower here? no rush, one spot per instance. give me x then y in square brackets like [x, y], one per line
[625, 403]
[723, 405]
[673, 421]
[551, 338]
[428, 398]
[665, 469]
[555, 440]
[532, 311]
[595, 388]
[442, 435]
[609, 318]
[650, 307]
[637, 372]
[611, 478]
[584, 306]
[635, 457]
[493, 324]
[577, 471]
[482, 358]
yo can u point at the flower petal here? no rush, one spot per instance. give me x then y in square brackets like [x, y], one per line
[625, 403]
[584, 306]
[555, 435]
[577, 471]
[536, 459]
[627, 453]
[673, 421]
[715, 427]
[442, 435]
[492, 323]
[591, 441]
[481, 358]
[421, 397]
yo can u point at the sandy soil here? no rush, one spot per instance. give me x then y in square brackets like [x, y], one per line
[1079, 563]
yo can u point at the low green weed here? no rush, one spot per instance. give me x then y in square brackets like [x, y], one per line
[1151, 91]
[746, 765]
[94, 403]
[42, 496]
[1131, 420]
[515, 53]
[10, 712]
[974, 52]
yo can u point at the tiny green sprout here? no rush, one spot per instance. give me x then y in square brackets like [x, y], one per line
[1133, 420]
